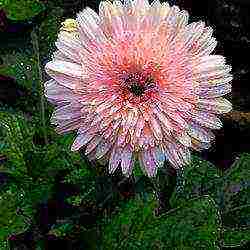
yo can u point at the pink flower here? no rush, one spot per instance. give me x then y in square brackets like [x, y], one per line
[138, 82]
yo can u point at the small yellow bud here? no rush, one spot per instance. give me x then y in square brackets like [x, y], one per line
[69, 25]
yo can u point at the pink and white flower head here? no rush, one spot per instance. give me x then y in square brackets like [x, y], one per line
[138, 82]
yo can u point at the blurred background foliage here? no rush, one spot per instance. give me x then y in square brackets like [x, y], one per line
[53, 198]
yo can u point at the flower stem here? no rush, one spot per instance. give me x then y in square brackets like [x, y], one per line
[35, 43]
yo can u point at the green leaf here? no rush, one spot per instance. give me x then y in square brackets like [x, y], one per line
[22, 9]
[75, 200]
[78, 176]
[4, 245]
[17, 141]
[199, 178]
[194, 225]
[22, 67]
[236, 184]
[132, 218]
[239, 216]
[61, 230]
[239, 171]
[40, 244]
[229, 191]
[235, 237]
[11, 222]
[83, 178]
[36, 193]
[48, 31]
[52, 158]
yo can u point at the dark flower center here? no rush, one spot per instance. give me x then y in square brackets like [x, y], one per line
[136, 89]
[137, 84]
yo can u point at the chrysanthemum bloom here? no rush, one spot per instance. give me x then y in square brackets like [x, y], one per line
[138, 82]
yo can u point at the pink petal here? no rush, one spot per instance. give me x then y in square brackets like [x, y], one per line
[218, 105]
[158, 156]
[115, 159]
[65, 73]
[103, 148]
[148, 163]
[83, 137]
[70, 45]
[67, 112]
[126, 160]
[68, 125]
[199, 133]
[58, 94]
[89, 27]
[184, 139]
[206, 119]
[156, 128]
[93, 144]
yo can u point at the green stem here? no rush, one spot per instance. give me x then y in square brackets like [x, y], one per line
[35, 44]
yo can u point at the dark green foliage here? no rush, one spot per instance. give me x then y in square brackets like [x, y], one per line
[236, 183]
[239, 216]
[235, 237]
[21, 66]
[194, 225]
[4, 245]
[124, 229]
[33, 169]
[61, 230]
[48, 31]
[231, 192]
[199, 178]
[17, 141]
[85, 180]
[137, 171]
[22, 9]
[11, 222]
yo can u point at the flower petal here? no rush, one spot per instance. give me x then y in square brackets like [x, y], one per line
[206, 119]
[82, 139]
[59, 94]
[65, 73]
[148, 163]
[65, 113]
[115, 159]
[158, 156]
[93, 144]
[217, 105]
[199, 133]
[214, 91]
[70, 45]
[89, 28]
[126, 160]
